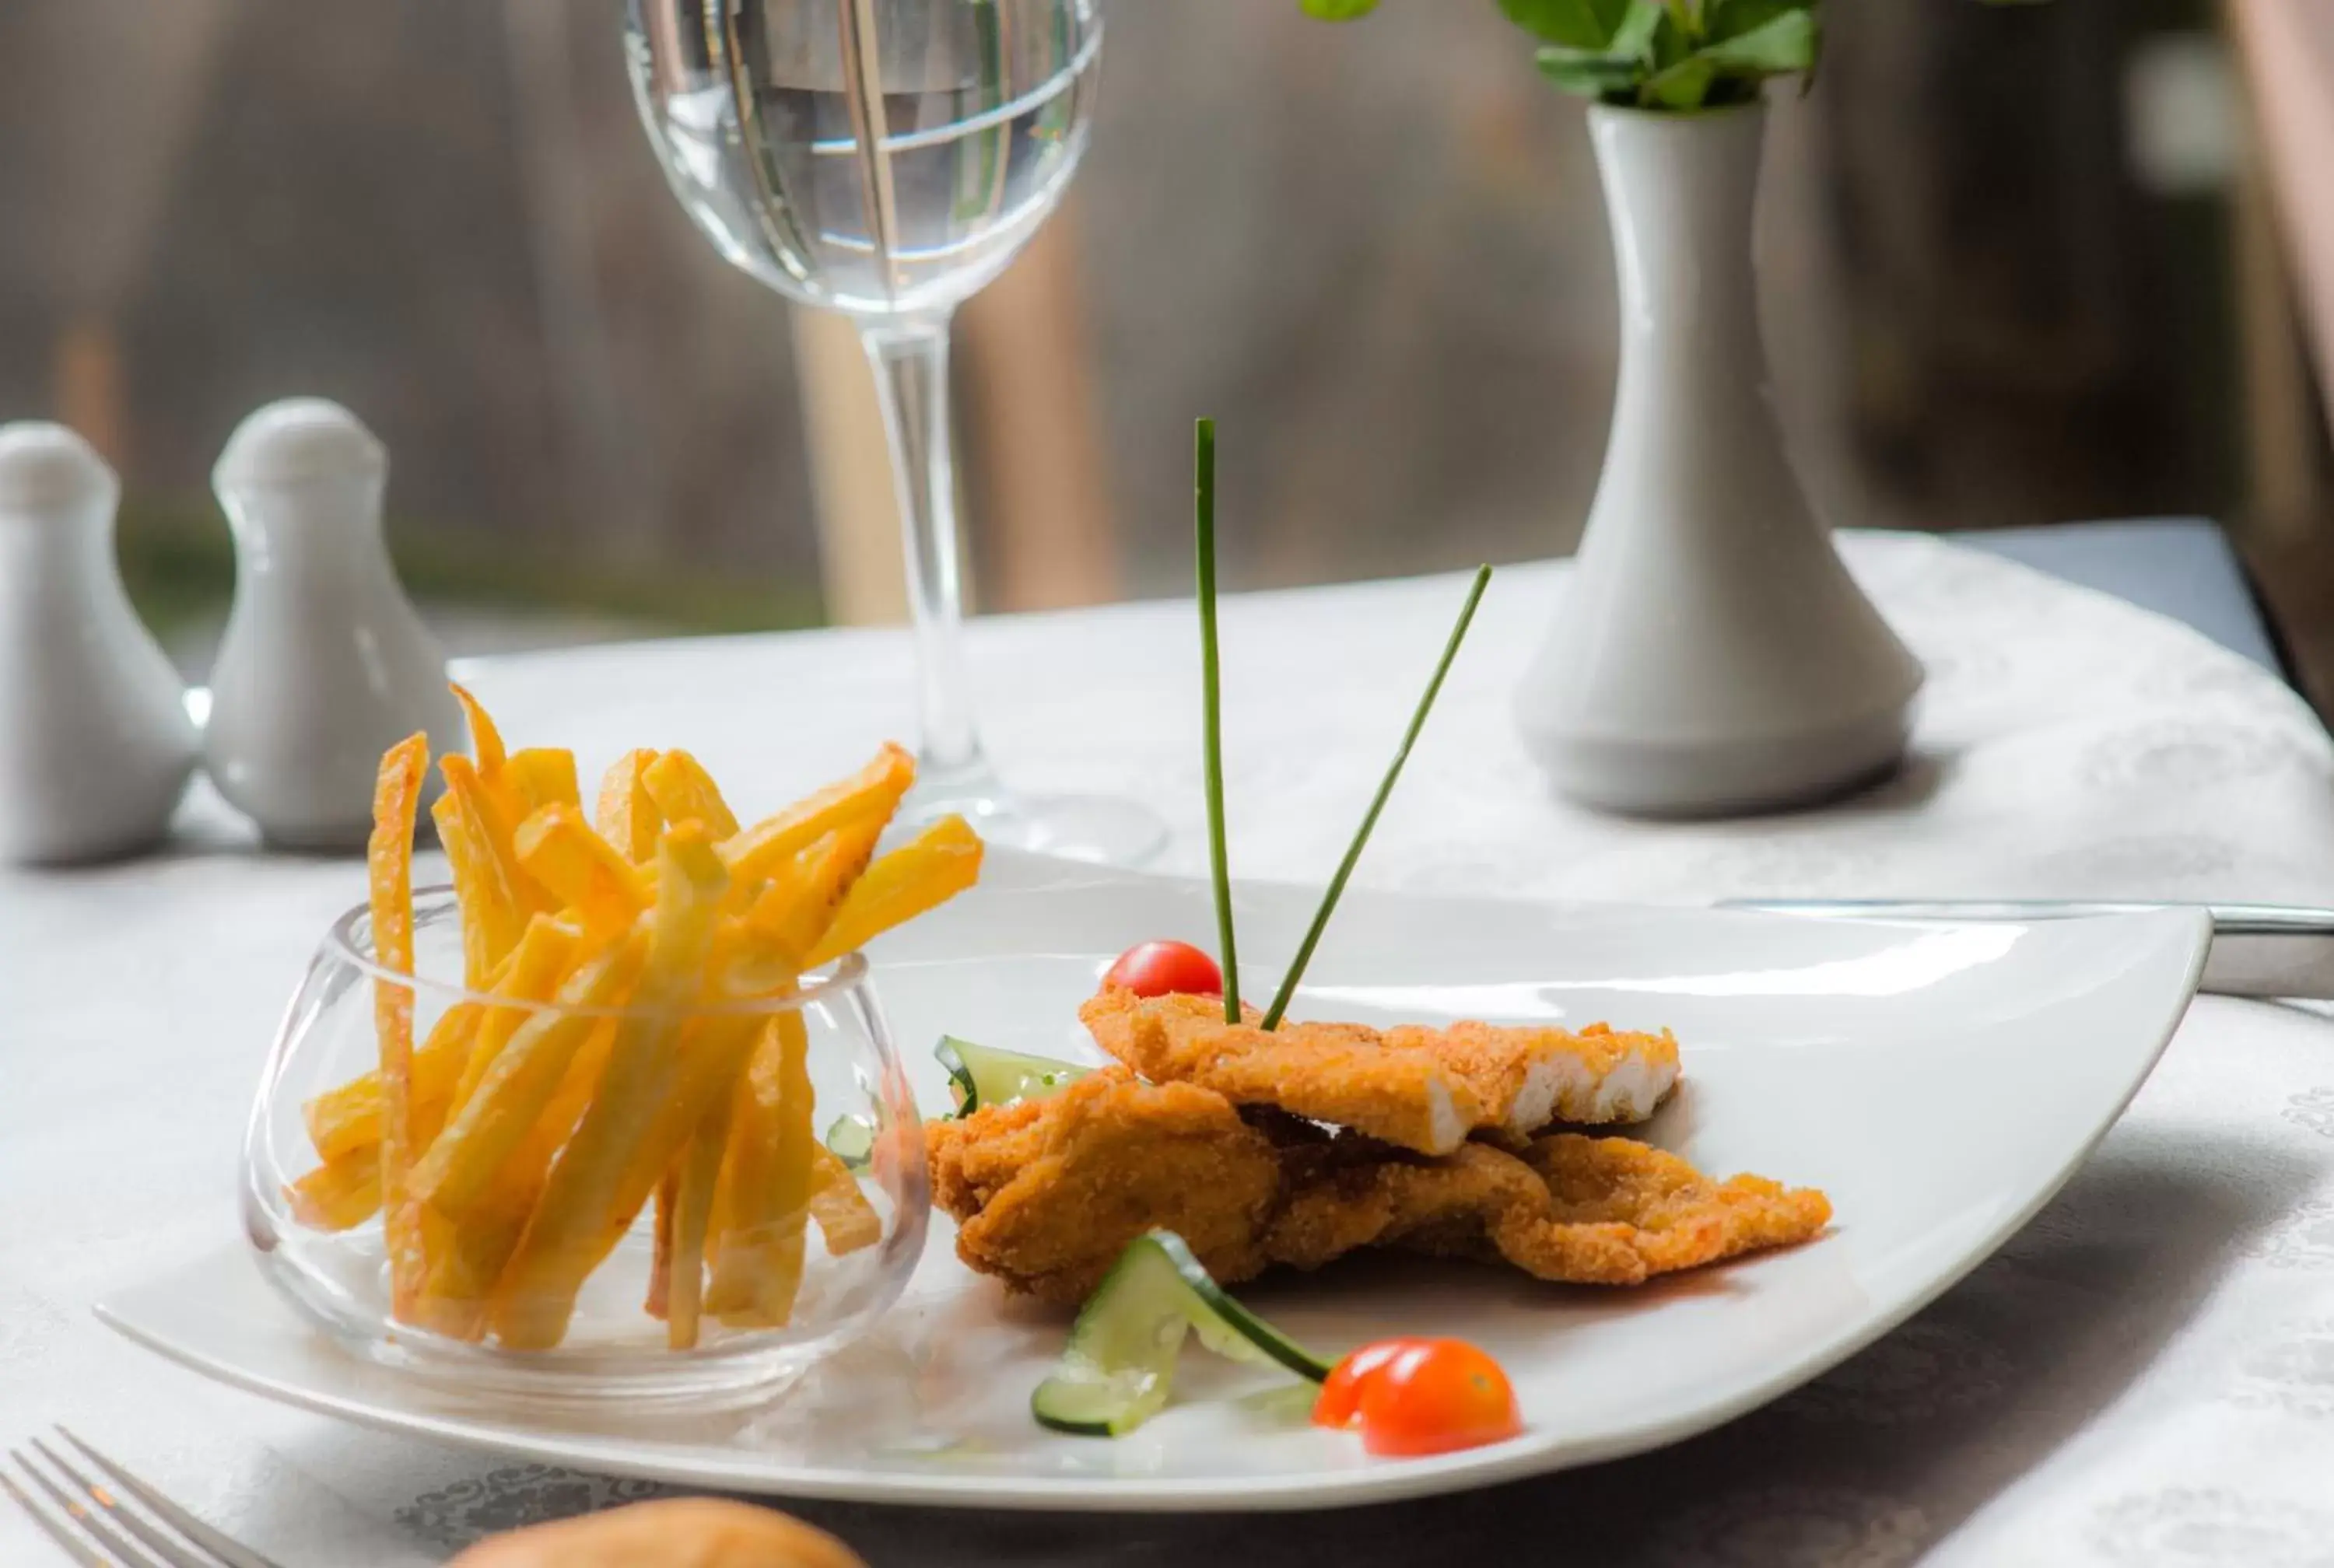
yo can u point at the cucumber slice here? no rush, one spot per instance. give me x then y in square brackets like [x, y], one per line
[980, 1075]
[852, 1141]
[1119, 1367]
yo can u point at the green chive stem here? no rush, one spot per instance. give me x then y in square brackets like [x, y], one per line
[1211, 708]
[1370, 819]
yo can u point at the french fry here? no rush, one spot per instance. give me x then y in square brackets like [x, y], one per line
[701, 1068]
[486, 877]
[873, 792]
[845, 1218]
[485, 736]
[513, 783]
[349, 1118]
[691, 1210]
[660, 1297]
[766, 1176]
[339, 1194]
[765, 1182]
[546, 952]
[463, 1277]
[346, 1124]
[389, 865]
[557, 849]
[626, 815]
[605, 1059]
[759, 954]
[604, 1174]
[515, 1088]
[685, 792]
[436, 1074]
[794, 911]
[541, 777]
[921, 874]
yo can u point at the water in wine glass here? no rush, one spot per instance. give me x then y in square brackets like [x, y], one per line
[869, 156]
[885, 159]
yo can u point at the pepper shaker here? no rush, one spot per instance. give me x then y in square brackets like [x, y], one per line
[324, 664]
[95, 744]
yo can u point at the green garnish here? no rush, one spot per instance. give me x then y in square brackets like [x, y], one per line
[1211, 716]
[1370, 818]
[852, 1139]
[1118, 1369]
[981, 1076]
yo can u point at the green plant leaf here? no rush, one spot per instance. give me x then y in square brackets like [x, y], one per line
[1734, 18]
[1782, 45]
[1583, 24]
[1339, 10]
[1681, 86]
[1633, 39]
[1589, 74]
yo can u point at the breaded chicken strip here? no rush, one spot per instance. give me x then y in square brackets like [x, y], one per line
[1048, 1192]
[1418, 1088]
[1524, 1077]
[1343, 1073]
[1570, 1209]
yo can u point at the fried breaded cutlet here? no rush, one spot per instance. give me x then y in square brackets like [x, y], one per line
[1420, 1089]
[1528, 1076]
[1047, 1193]
[1570, 1209]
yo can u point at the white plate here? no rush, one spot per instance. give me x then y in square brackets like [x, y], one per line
[1939, 1082]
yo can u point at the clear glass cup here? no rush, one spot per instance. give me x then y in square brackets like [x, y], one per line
[886, 158]
[857, 1246]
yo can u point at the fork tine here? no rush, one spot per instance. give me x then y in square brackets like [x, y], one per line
[103, 1533]
[228, 1551]
[56, 1529]
[169, 1550]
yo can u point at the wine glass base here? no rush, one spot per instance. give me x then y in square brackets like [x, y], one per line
[1105, 829]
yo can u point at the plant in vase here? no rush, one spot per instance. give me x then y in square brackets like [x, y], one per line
[1711, 654]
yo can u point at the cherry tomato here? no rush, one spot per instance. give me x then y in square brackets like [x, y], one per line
[1340, 1404]
[1159, 969]
[1419, 1396]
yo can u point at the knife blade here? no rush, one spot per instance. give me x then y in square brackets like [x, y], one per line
[2281, 950]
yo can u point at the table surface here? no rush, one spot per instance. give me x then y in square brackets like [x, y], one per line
[2182, 567]
[2145, 1375]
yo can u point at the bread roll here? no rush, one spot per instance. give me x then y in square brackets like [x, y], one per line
[678, 1532]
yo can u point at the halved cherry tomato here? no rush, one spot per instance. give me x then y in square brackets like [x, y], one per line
[1160, 968]
[1419, 1396]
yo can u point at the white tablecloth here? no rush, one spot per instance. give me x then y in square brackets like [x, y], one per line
[2144, 1376]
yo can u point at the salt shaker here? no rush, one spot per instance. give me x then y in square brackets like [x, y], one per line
[324, 664]
[95, 744]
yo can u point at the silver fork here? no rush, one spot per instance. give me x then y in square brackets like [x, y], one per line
[97, 1529]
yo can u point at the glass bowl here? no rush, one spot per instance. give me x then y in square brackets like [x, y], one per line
[846, 1234]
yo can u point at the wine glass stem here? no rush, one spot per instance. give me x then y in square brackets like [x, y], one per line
[911, 358]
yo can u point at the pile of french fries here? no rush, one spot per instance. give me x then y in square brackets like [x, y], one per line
[510, 1152]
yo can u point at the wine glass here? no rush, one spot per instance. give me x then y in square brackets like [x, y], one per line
[886, 158]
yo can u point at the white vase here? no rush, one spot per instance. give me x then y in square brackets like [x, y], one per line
[1710, 654]
[95, 744]
[324, 664]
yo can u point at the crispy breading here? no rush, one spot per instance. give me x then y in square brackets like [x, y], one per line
[1343, 1073]
[1048, 1192]
[1422, 1089]
[1524, 1077]
[1571, 1208]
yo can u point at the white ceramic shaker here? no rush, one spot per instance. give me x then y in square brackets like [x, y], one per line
[324, 664]
[95, 744]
